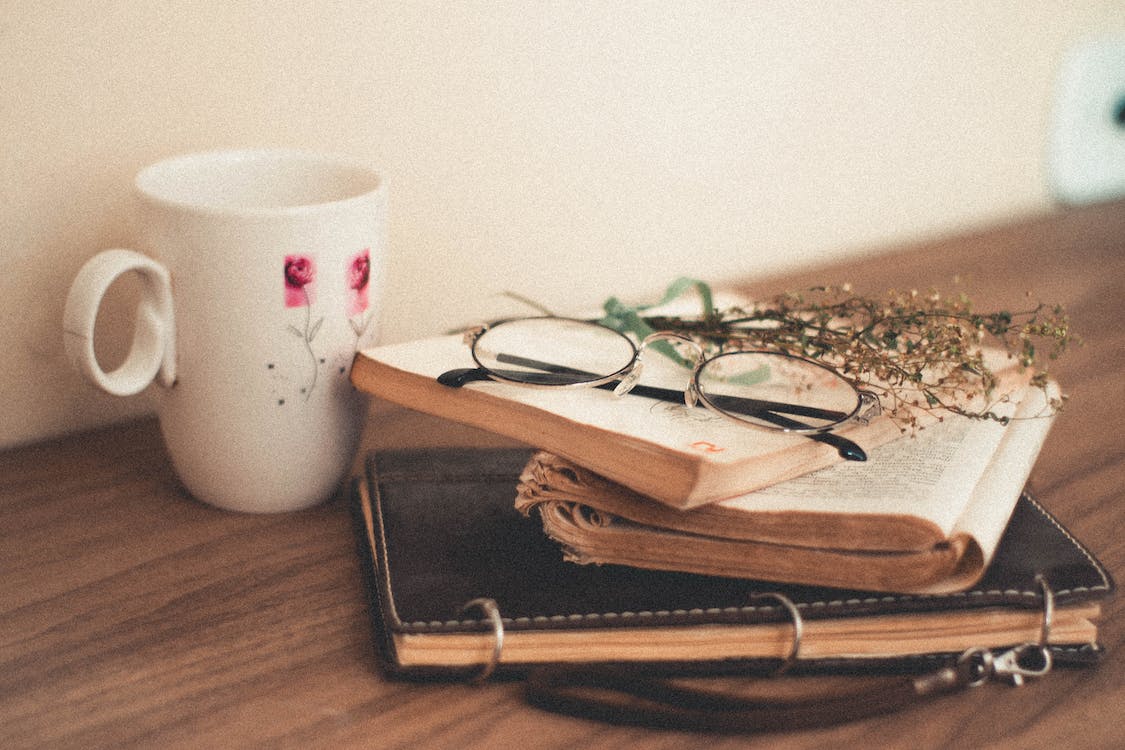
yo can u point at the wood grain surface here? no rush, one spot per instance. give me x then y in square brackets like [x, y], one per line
[134, 616]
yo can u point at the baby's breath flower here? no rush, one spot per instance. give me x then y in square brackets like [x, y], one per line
[919, 352]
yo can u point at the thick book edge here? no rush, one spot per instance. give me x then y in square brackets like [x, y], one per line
[549, 479]
[888, 637]
[684, 477]
[586, 539]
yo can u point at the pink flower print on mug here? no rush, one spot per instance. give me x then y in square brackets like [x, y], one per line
[300, 273]
[359, 274]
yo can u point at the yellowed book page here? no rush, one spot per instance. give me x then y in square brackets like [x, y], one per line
[987, 512]
[934, 475]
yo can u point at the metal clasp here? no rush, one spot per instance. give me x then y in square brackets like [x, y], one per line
[979, 665]
[1030, 659]
[1025, 660]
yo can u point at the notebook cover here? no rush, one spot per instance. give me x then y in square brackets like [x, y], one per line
[446, 532]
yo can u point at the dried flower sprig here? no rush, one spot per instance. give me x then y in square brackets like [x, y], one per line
[921, 352]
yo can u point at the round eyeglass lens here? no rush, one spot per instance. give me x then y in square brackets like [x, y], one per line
[553, 351]
[774, 390]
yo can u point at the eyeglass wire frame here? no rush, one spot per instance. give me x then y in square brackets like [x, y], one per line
[867, 403]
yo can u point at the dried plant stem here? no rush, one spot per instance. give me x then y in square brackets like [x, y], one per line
[917, 351]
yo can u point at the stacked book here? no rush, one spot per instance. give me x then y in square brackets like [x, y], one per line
[638, 531]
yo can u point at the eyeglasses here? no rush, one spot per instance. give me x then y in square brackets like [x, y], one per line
[766, 389]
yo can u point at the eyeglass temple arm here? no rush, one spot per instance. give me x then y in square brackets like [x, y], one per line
[749, 406]
[463, 376]
[846, 448]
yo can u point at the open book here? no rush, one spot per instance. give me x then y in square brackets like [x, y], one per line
[437, 530]
[923, 515]
[681, 456]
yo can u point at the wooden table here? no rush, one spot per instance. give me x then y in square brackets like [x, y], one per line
[131, 615]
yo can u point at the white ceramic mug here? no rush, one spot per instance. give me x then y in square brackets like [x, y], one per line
[261, 279]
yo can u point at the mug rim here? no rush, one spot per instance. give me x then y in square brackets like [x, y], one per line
[151, 181]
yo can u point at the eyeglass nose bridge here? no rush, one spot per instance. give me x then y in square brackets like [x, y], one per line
[470, 335]
[869, 407]
[691, 393]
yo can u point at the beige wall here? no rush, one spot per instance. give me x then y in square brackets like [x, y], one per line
[563, 150]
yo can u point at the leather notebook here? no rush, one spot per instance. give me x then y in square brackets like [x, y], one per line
[437, 530]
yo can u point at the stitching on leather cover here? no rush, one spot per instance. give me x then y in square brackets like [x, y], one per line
[1086, 553]
[420, 625]
[375, 497]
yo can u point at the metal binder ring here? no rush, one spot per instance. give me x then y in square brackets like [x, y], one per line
[1048, 609]
[492, 612]
[798, 629]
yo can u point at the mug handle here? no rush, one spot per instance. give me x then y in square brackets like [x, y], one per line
[153, 351]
